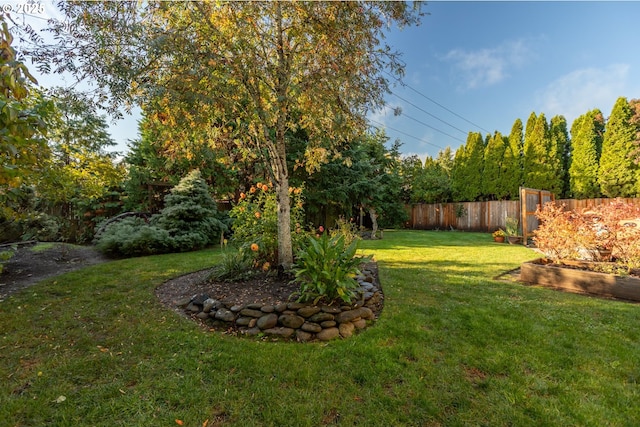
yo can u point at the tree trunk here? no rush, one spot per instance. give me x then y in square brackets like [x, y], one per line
[285, 247]
[374, 222]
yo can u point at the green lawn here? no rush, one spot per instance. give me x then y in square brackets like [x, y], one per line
[453, 347]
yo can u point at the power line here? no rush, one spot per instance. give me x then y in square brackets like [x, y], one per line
[428, 113]
[431, 127]
[406, 134]
[435, 102]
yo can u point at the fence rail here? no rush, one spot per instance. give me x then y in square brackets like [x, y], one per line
[483, 216]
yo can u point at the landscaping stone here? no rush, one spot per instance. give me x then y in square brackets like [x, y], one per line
[295, 306]
[311, 327]
[308, 311]
[267, 322]
[300, 321]
[360, 324]
[303, 336]
[211, 305]
[267, 309]
[346, 329]
[200, 299]
[328, 324]
[243, 321]
[348, 316]
[250, 312]
[193, 308]
[183, 302]
[291, 321]
[252, 332]
[328, 334]
[321, 317]
[280, 331]
[225, 315]
[281, 307]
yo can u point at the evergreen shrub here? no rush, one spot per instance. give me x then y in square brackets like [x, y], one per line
[189, 221]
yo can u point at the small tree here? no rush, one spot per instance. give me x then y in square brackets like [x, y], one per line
[190, 214]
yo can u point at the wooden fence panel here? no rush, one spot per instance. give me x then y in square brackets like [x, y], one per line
[470, 216]
[530, 199]
[580, 205]
[489, 216]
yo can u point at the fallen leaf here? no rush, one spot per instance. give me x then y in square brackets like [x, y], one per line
[60, 399]
[179, 422]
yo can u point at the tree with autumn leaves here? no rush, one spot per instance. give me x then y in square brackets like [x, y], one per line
[250, 72]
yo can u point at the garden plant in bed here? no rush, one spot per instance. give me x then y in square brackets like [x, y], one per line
[595, 251]
[328, 294]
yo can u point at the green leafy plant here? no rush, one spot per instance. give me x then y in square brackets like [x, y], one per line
[255, 221]
[460, 210]
[325, 268]
[234, 266]
[511, 226]
[348, 229]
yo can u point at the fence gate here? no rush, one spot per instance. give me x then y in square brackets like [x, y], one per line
[530, 199]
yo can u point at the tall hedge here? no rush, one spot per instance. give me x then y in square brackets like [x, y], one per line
[618, 173]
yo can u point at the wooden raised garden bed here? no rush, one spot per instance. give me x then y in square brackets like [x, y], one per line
[575, 279]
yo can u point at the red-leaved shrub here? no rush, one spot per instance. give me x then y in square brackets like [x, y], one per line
[613, 227]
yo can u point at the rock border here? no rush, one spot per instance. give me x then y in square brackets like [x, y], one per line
[304, 322]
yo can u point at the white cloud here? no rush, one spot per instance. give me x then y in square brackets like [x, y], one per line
[583, 90]
[489, 66]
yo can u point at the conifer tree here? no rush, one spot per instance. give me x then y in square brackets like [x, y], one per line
[560, 140]
[493, 179]
[618, 174]
[586, 145]
[467, 170]
[457, 174]
[540, 157]
[513, 161]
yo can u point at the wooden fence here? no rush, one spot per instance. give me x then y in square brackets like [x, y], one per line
[470, 216]
[484, 216]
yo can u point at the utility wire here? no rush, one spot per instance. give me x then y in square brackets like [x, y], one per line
[431, 127]
[406, 134]
[428, 113]
[435, 102]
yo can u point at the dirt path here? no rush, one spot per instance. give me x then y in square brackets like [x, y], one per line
[27, 266]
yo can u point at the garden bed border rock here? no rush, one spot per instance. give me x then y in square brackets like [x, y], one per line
[303, 322]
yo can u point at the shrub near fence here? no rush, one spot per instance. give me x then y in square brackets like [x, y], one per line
[483, 216]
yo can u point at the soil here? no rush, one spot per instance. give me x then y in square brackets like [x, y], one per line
[263, 289]
[28, 266]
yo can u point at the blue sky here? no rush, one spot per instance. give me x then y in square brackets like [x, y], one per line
[494, 62]
[489, 63]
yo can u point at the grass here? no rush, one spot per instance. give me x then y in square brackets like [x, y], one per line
[453, 347]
